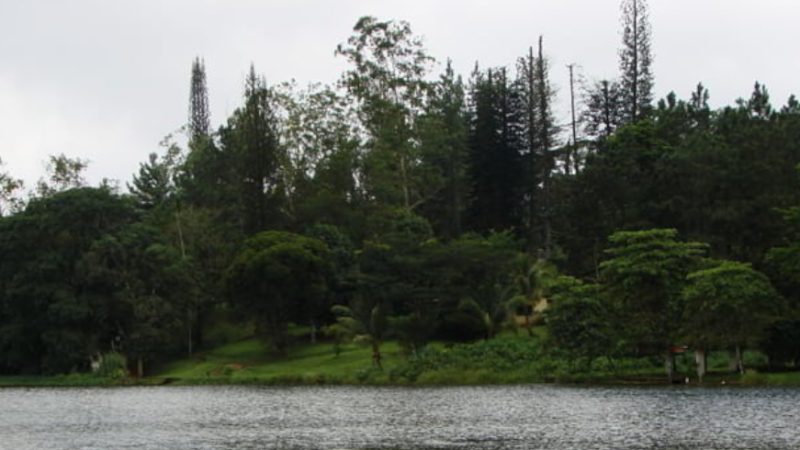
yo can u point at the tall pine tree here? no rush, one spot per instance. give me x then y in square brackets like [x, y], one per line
[494, 144]
[199, 115]
[250, 145]
[443, 132]
[635, 59]
[546, 131]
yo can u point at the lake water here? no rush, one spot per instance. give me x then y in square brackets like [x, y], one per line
[518, 417]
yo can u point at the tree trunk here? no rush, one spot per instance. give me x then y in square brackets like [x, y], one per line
[313, 332]
[404, 177]
[572, 152]
[139, 367]
[701, 362]
[737, 364]
[528, 322]
[190, 329]
[376, 355]
[669, 366]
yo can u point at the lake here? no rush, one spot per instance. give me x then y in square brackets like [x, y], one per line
[502, 417]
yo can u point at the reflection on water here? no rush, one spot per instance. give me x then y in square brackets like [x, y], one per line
[518, 417]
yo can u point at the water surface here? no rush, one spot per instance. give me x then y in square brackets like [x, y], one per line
[518, 417]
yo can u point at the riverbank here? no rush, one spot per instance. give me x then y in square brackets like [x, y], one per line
[509, 359]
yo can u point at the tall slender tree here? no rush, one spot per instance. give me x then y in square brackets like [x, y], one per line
[635, 59]
[387, 79]
[571, 157]
[250, 144]
[603, 113]
[547, 132]
[443, 132]
[199, 115]
[495, 171]
[526, 82]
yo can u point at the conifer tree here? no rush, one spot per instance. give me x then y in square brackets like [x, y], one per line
[604, 109]
[199, 116]
[495, 169]
[152, 184]
[635, 59]
[251, 147]
[547, 131]
[444, 131]
[526, 80]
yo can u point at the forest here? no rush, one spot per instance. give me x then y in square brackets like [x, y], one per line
[411, 205]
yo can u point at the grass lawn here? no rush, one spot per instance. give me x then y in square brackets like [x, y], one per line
[508, 358]
[250, 360]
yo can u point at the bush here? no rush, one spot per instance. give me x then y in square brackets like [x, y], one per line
[113, 365]
[782, 343]
[753, 378]
[473, 361]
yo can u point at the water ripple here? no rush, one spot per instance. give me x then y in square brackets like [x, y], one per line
[302, 418]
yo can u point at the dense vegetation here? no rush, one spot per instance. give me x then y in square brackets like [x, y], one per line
[398, 206]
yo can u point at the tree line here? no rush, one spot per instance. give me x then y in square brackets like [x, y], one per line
[401, 204]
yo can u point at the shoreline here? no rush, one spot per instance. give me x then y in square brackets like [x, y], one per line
[83, 381]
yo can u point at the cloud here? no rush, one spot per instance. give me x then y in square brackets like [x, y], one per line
[37, 124]
[107, 80]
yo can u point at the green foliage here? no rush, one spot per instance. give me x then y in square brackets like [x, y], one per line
[384, 176]
[644, 278]
[727, 305]
[387, 78]
[113, 365]
[10, 187]
[278, 277]
[154, 183]
[635, 60]
[50, 322]
[63, 173]
[251, 157]
[496, 356]
[578, 321]
[781, 343]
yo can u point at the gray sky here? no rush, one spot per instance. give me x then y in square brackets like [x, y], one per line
[106, 80]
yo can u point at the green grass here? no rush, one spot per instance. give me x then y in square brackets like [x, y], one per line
[76, 380]
[508, 358]
[251, 361]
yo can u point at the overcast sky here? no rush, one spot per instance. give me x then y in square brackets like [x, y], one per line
[106, 80]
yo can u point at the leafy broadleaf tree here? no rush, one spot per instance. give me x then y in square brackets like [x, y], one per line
[578, 320]
[140, 285]
[475, 283]
[63, 173]
[10, 189]
[48, 324]
[729, 306]
[321, 160]
[387, 79]
[278, 277]
[644, 278]
[394, 287]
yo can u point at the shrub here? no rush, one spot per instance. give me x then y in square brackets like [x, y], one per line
[113, 365]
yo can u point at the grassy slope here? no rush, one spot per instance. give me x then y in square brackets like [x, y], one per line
[251, 361]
